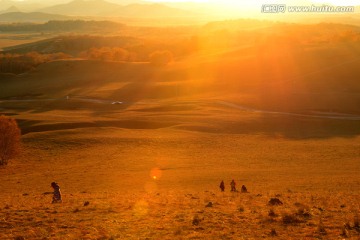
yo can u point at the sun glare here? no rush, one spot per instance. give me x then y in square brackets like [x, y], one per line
[247, 2]
[339, 2]
[177, 1]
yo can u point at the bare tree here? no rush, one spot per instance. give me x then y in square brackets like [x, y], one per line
[10, 135]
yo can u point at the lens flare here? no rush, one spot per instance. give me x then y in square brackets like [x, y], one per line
[156, 173]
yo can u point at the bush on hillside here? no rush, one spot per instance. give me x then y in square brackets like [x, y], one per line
[10, 135]
[106, 54]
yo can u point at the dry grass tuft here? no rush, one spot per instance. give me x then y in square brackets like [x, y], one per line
[321, 228]
[196, 220]
[289, 219]
[273, 233]
[345, 232]
[304, 212]
[357, 223]
[19, 238]
[275, 202]
[272, 213]
[241, 209]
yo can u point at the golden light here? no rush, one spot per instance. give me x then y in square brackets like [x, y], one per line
[338, 2]
[151, 187]
[156, 173]
[177, 1]
[237, 3]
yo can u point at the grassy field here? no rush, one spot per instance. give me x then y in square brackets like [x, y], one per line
[182, 215]
[13, 39]
[148, 172]
[276, 115]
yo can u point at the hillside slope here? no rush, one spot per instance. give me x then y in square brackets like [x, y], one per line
[31, 17]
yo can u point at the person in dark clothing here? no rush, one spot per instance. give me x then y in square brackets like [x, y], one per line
[57, 193]
[222, 186]
[233, 186]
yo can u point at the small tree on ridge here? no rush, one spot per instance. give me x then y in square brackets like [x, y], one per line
[10, 135]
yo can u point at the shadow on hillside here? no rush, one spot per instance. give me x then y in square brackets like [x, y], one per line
[190, 117]
[285, 127]
[35, 126]
[131, 92]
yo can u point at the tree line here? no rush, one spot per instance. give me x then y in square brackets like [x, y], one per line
[20, 63]
[57, 26]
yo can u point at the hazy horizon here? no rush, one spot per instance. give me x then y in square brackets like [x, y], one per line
[214, 9]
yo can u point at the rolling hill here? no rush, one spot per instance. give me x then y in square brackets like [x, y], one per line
[280, 67]
[74, 44]
[82, 8]
[149, 10]
[23, 5]
[104, 8]
[11, 9]
[31, 17]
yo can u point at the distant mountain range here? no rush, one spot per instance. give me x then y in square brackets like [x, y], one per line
[105, 8]
[11, 9]
[98, 8]
[82, 8]
[149, 10]
[35, 5]
[28, 6]
[63, 26]
[140, 9]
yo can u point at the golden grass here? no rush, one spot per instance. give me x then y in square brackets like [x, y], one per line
[112, 168]
[149, 167]
[8, 40]
[180, 215]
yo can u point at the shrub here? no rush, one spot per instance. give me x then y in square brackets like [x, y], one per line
[290, 219]
[9, 139]
[321, 228]
[357, 223]
[106, 54]
[272, 213]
